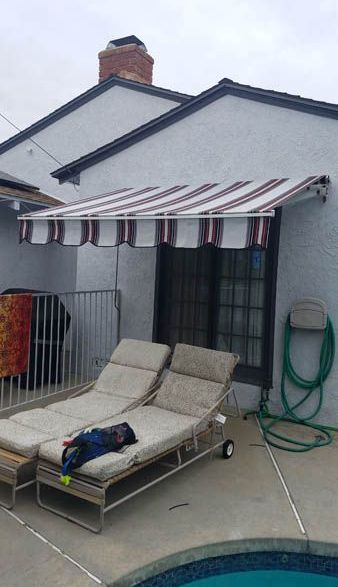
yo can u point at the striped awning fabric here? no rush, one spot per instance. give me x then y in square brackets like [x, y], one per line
[228, 215]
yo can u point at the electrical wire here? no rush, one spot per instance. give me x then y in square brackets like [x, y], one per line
[36, 144]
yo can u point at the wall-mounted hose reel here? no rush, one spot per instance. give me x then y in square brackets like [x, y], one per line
[307, 314]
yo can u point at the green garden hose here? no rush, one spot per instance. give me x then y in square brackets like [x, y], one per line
[324, 435]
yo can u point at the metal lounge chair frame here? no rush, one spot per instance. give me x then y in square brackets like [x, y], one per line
[94, 491]
[14, 465]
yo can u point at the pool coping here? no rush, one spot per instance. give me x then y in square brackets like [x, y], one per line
[291, 545]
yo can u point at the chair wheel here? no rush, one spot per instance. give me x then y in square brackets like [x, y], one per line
[228, 449]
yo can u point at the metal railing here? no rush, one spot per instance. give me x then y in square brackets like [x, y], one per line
[72, 337]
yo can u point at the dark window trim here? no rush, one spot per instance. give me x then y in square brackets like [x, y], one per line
[270, 298]
[251, 375]
[157, 294]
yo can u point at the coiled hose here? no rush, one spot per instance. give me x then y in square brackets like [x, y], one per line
[323, 436]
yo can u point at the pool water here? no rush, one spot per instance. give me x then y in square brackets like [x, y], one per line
[266, 579]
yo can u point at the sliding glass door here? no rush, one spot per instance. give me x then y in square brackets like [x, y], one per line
[221, 299]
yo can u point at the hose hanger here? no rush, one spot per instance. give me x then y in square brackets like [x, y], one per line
[307, 314]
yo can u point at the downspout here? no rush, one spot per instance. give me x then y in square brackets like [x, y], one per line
[117, 296]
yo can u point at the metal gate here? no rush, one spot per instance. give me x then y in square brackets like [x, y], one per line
[72, 337]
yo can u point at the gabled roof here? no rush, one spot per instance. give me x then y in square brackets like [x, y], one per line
[12, 188]
[90, 94]
[223, 88]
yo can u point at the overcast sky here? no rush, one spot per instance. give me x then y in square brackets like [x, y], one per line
[49, 49]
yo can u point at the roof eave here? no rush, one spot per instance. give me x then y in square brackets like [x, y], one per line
[18, 185]
[37, 197]
[222, 88]
[24, 200]
[318, 108]
[64, 173]
[86, 97]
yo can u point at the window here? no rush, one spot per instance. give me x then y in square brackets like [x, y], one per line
[221, 299]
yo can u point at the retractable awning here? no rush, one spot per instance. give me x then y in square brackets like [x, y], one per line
[227, 215]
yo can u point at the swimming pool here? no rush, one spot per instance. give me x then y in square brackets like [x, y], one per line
[254, 569]
[266, 579]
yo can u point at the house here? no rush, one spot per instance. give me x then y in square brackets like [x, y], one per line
[25, 266]
[123, 99]
[231, 298]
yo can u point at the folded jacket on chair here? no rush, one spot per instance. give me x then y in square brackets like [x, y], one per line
[89, 445]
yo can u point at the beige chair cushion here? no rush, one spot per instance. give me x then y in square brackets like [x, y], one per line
[126, 382]
[141, 354]
[51, 423]
[188, 395]
[204, 363]
[101, 468]
[90, 407]
[156, 430]
[21, 439]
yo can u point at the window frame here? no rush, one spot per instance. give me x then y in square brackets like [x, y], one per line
[261, 376]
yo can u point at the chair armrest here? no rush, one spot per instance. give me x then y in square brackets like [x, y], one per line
[152, 393]
[208, 415]
[82, 390]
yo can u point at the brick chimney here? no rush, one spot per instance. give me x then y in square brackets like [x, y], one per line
[128, 58]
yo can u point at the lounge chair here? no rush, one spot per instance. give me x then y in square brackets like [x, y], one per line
[127, 380]
[180, 414]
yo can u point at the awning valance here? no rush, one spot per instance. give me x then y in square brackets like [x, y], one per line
[227, 215]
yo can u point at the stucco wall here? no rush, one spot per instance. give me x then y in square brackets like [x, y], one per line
[235, 138]
[32, 266]
[99, 121]
[136, 276]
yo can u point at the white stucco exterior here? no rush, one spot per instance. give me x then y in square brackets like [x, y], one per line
[97, 122]
[101, 120]
[235, 138]
[46, 268]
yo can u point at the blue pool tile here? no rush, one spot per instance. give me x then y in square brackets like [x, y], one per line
[244, 562]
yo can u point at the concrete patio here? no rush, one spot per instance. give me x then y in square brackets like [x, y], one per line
[225, 507]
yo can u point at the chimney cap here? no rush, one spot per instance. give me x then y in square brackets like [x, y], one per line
[131, 40]
[226, 80]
